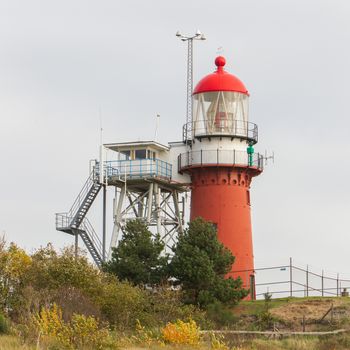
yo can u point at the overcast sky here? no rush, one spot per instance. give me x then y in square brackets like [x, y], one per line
[62, 61]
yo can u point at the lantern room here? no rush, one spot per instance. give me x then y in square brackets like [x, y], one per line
[220, 106]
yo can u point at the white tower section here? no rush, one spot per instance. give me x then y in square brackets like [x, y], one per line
[148, 187]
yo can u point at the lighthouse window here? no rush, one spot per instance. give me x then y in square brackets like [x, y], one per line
[248, 197]
[140, 154]
[223, 112]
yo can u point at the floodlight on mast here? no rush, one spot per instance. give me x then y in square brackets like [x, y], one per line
[187, 136]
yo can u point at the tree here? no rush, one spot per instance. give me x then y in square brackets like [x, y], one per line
[200, 264]
[14, 264]
[138, 257]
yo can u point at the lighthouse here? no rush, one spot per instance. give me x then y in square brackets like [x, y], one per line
[215, 160]
[221, 162]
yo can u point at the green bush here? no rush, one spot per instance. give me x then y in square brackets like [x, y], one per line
[220, 315]
[166, 305]
[4, 325]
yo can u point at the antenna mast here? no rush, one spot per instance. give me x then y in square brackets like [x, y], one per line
[157, 127]
[101, 175]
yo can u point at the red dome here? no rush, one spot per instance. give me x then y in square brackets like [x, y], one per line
[220, 80]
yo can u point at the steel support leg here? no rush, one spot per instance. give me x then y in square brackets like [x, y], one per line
[117, 217]
[104, 224]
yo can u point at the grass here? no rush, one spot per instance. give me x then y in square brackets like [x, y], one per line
[332, 343]
[254, 307]
[340, 342]
[8, 342]
[289, 310]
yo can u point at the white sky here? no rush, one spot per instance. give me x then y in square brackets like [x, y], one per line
[62, 60]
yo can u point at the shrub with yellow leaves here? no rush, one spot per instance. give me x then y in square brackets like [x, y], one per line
[181, 332]
[217, 342]
[51, 324]
[82, 332]
[85, 331]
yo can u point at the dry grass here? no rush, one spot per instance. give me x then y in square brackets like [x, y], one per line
[12, 343]
[341, 342]
[312, 309]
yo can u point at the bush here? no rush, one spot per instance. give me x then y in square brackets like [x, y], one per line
[221, 315]
[265, 320]
[4, 325]
[122, 304]
[165, 306]
[81, 332]
[217, 342]
[181, 333]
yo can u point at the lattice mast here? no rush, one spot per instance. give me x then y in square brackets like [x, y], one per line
[187, 131]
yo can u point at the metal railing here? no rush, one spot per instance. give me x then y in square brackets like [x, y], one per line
[220, 157]
[82, 195]
[138, 168]
[96, 241]
[294, 281]
[63, 221]
[231, 128]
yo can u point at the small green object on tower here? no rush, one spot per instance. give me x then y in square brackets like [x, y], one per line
[250, 151]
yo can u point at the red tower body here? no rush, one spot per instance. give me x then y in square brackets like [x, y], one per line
[222, 163]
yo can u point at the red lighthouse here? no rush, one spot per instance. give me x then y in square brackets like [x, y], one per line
[221, 161]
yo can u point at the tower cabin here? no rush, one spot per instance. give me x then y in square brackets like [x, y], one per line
[140, 160]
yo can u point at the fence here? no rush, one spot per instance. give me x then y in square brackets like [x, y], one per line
[135, 169]
[222, 127]
[220, 157]
[295, 281]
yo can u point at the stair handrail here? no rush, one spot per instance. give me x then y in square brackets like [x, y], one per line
[81, 196]
[88, 228]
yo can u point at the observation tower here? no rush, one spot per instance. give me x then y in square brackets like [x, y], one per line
[221, 161]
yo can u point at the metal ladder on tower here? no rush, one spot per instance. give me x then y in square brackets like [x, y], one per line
[75, 222]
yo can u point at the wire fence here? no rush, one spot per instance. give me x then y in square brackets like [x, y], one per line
[295, 281]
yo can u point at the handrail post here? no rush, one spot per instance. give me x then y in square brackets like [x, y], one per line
[322, 281]
[307, 280]
[217, 156]
[290, 277]
[201, 157]
[337, 284]
[252, 286]
[234, 157]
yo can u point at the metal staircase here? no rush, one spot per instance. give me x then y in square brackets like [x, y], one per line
[75, 223]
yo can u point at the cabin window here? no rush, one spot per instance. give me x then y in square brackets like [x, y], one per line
[140, 154]
[126, 154]
[151, 155]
